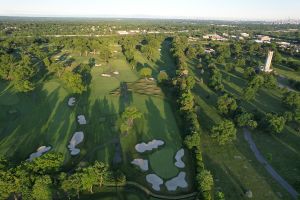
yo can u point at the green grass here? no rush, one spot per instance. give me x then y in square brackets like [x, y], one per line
[236, 170]
[43, 117]
[234, 167]
[7, 95]
[165, 158]
[287, 72]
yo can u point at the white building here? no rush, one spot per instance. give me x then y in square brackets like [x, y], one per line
[264, 39]
[214, 37]
[134, 31]
[244, 34]
[284, 44]
[122, 32]
[267, 67]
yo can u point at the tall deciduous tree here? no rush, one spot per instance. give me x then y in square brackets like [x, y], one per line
[72, 185]
[162, 76]
[128, 117]
[146, 72]
[74, 82]
[246, 120]
[226, 104]
[42, 188]
[206, 180]
[274, 122]
[224, 133]
[291, 100]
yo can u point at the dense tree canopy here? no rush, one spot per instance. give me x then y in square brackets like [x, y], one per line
[146, 72]
[292, 100]
[224, 132]
[162, 77]
[274, 122]
[226, 104]
[128, 117]
[246, 120]
[74, 82]
[206, 180]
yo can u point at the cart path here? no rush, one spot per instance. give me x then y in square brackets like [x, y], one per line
[268, 167]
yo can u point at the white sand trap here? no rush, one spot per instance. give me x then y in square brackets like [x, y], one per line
[178, 181]
[71, 101]
[81, 119]
[40, 151]
[155, 181]
[178, 157]
[106, 75]
[143, 164]
[154, 144]
[116, 73]
[76, 139]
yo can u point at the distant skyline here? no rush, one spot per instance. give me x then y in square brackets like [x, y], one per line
[189, 9]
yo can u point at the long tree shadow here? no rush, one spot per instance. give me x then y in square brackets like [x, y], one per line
[221, 173]
[125, 98]
[156, 123]
[166, 61]
[41, 122]
[102, 133]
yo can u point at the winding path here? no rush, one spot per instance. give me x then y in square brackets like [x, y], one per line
[158, 196]
[268, 167]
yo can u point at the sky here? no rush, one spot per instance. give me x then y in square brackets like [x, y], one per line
[193, 9]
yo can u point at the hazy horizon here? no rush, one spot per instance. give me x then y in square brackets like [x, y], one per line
[167, 9]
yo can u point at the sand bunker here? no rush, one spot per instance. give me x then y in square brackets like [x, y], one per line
[40, 151]
[81, 119]
[143, 164]
[116, 73]
[154, 144]
[178, 181]
[106, 75]
[71, 101]
[178, 157]
[155, 181]
[76, 139]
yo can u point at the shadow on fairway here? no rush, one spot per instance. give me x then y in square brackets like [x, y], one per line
[125, 98]
[234, 189]
[44, 119]
[166, 61]
[101, 132]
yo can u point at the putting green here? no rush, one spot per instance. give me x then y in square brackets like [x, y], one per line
[162, 163]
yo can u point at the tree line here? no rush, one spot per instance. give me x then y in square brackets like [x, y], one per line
[183, 83]
[43, 178]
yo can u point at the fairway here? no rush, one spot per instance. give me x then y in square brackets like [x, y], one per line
[44, 118]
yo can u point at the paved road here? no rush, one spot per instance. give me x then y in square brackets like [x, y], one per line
[267, 166]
